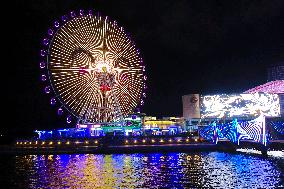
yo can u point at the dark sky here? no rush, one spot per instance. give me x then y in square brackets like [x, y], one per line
[188, 47]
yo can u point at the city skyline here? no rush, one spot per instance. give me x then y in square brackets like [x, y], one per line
[187, 47]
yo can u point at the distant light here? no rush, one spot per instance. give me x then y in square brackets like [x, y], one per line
[90, 13]
[45, 41]
[64, 18]
[42, 65]
[60, 111]
[50, 32]
[72, 14]
[42, 52]
[47, 89]
[43, 77]
[56, 24]
[68, 119]
[81, 12]
[52, 101]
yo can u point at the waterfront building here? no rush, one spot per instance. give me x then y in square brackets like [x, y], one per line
[163, 126]
[204, 109]
[273, 87]
[276, 72]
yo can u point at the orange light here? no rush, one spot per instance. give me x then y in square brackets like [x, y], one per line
[96, 142]
[143, 141]
[153, 140]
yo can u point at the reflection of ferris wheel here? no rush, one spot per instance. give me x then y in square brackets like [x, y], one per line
[94, 70]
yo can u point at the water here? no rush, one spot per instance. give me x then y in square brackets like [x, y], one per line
[152, 170]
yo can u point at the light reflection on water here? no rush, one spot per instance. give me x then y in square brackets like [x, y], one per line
[152, 170]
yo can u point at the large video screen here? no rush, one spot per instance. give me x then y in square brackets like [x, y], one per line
[240, 105]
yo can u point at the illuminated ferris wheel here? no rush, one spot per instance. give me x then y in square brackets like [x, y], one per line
[92, 69]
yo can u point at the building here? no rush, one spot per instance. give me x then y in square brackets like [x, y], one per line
[274, 87]
[275, 72]
[163, 126]
[224, 107]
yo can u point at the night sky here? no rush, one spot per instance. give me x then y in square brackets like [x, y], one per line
[188, 46]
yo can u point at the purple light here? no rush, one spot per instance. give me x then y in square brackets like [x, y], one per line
[142, 102]
[59, 111]
[143, 68]
[145, 77]
[90, 13]
[133, 116]
[47, 89]
[43, 77]
[68, 119]
[42, 52]
[138, 110]
[145, 87]
[42, 65]
[50, 32]
[45, 42]
[56, 24]
[64, 18]
[72, 14]
[144, 95]
[81, 12]
[52, 101]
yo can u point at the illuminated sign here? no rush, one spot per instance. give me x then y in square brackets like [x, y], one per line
[240, 105]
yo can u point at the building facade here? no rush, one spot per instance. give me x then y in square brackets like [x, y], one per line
[275, 72]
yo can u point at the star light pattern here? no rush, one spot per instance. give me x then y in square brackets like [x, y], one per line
[240, 105]
[94, 68]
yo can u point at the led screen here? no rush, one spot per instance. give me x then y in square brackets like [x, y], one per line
[240, 105]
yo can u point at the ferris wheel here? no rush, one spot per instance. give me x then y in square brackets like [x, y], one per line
[91, 69]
